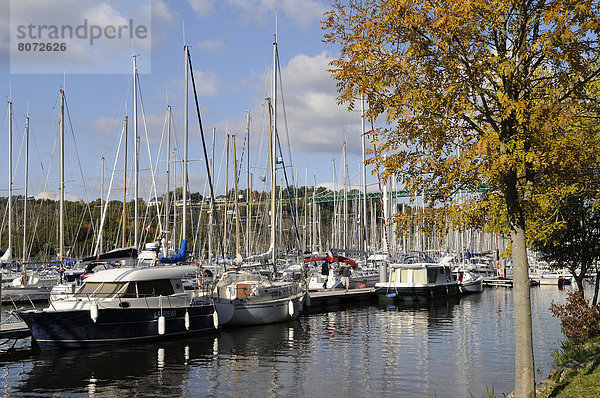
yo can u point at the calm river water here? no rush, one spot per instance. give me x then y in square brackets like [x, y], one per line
[443, 349]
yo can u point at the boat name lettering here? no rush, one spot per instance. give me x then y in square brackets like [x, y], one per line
[166, 314]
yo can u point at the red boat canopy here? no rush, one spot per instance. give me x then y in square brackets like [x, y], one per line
[333, 259]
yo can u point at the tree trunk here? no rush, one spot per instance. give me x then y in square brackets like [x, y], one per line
[579, 281]
[524, 364]
[596, 285]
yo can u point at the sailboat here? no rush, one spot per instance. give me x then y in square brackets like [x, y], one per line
[24, 287]
[7, 257]
[258, 299]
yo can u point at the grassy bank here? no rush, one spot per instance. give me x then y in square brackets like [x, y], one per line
[577, 373]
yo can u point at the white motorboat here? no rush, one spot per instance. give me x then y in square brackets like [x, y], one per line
[417, 277]
[258, 300]
[552, 278]
[29, 287]
[123, 305]
[468, 281]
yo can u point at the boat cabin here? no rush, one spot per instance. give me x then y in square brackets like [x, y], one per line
[135, 282]
[420, 274]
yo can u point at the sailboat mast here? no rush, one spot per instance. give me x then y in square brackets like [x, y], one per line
[272, 158]
[10, 181]
[62, 180]
[26, 190]
[225, 204]
[249, 196]
[101, 198]
[167, 208]
[236, 208]
[364, 175]
[185, 144]
[212, 205]
[136, 160]
[124, 185]
[274, 155]
[345, 173]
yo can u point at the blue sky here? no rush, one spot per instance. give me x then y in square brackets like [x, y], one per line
[231, 46]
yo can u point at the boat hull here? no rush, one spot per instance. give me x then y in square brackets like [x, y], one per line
[416, 293]
[75, 328]
[246, 312]
[472, 287]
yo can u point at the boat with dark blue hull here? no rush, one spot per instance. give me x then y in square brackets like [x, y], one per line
[123, 305]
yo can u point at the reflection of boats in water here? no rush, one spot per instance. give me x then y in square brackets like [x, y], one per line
[432, 312]
[266, 338]
[164, 368]
[149, 369]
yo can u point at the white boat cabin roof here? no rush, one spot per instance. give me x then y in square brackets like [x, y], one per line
[418, 265]
[141, 274]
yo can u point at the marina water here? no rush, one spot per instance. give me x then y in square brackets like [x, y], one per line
[443, 349]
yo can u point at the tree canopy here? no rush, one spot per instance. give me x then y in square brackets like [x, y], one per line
[465, 94]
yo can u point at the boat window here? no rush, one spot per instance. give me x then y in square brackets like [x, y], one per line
[130, 292]
[404, 276]
[432, 275]
[419, 276]
[161, 287]
[89, 287]
[103, 289]
[110, 289]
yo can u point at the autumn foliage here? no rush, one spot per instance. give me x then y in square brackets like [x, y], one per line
[579, 321]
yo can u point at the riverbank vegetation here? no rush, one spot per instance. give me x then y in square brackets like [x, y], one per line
[577, 371]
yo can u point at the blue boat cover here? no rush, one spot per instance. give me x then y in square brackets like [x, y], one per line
[179, 257]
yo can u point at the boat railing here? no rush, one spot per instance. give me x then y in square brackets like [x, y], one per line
[123, 300]
[19, 298]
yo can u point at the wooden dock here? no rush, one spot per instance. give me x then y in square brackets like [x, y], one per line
[331, 297]
[498, 282]
[14, 330]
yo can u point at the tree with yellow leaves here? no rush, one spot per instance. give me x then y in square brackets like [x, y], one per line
[468, 93]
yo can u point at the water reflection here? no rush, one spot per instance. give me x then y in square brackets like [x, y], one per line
[150, 369]
[441, 348]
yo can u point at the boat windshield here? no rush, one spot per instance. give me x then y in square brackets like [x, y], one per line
[103, 289]
[140, 289]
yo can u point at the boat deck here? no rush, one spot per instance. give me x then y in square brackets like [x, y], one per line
[325, 297]
[14, 330]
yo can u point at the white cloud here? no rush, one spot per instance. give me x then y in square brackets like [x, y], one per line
[106, 125]
[202, 7]
[207, 83]
[4, 32]
[162, 12]
[303, 12]
[210, 46]
[316, 122]
[78, 20]
[50, 195]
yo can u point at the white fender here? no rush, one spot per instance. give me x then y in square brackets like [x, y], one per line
[291, 308]
[94, 311]
[161, 325]
[216, 319]
[187, 320]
